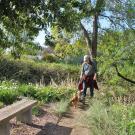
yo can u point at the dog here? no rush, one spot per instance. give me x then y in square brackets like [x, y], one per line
[76, 98]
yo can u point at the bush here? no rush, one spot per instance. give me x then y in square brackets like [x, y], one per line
[46, 94]
[27, 90]
[49, 58]
[8, 96]
[50, 94]
[26, 71]
[8, 92]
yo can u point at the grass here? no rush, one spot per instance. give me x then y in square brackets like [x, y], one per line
[98, 119]
[106, 116]
[1, 105]
[123, 116]
[117, 119]
[60, 108]
[37, 110]
[29, 71]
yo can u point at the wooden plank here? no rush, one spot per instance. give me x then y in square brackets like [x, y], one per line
[11, 111]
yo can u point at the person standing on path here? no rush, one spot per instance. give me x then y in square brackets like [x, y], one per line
[88, 75]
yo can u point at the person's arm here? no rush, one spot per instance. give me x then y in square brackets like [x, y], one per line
[82, 71]
[95, 76]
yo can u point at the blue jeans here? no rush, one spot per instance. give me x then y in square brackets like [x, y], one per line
[91, 88]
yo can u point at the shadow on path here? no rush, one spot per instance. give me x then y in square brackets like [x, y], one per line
[53, 129]
[84, 105]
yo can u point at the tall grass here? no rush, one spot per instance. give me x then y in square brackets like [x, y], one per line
[60, 108]
[26, 71]
[114, 120]
[99, 120]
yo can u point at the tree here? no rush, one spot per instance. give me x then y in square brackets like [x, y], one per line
[119, 13]
[117, 52]
[68, 15]
[63, 49]
[20, 22]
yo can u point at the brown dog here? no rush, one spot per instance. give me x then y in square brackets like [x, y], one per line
[74, 100]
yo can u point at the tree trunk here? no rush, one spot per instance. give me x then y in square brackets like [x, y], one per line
[94, 36]
[87, 38]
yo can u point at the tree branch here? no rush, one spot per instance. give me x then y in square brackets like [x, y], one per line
[122, 19]
[120, 75]
[111, 20]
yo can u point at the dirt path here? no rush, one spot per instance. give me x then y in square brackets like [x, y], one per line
[45, 124]
[73, 121]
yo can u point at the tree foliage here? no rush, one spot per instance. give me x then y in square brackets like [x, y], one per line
[63, 49]
[16, 17]
[117, 48]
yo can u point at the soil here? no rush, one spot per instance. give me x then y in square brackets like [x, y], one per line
[46, 123]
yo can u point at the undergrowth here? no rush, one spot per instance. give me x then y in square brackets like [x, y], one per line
[60, 108]
[10, 91]
[110, 115]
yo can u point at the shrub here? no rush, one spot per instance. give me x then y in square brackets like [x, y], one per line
[49, 58]
[46, 94]
[50, 94]
[8, 96]
[65, 93]
[26, 71]
[27, 90]
[8, 92]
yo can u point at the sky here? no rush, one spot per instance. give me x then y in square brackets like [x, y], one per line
[40, 38]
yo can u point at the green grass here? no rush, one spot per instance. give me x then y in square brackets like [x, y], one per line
[98, 119]
[29, 71]
[1, 105]
[60, 108]
[106, 116]
[124, 116]
[37, 110]
[116, 119]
